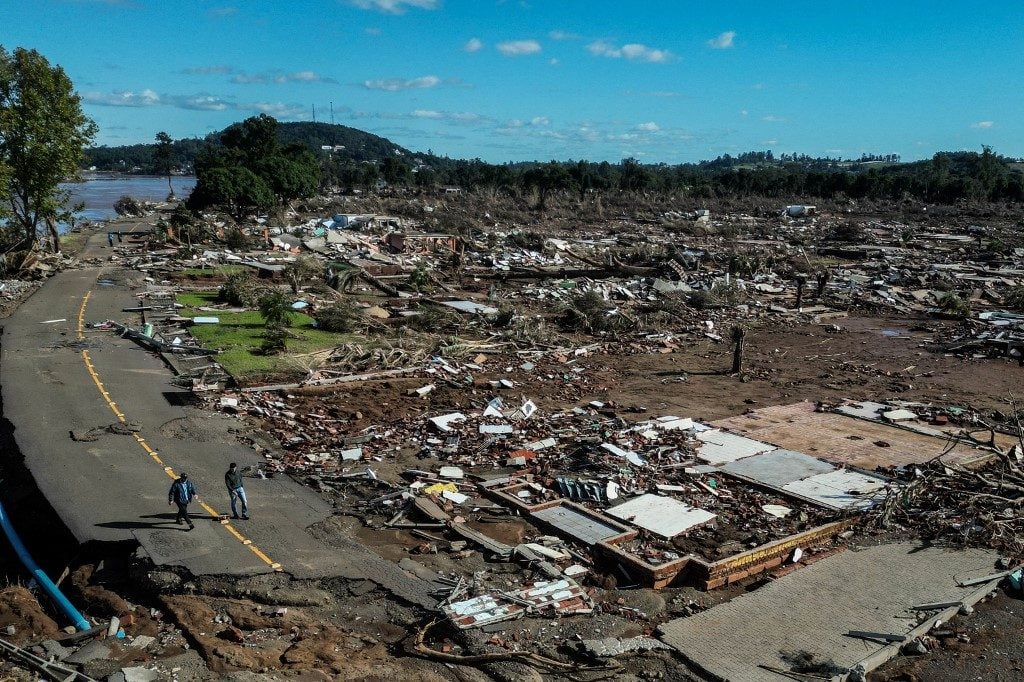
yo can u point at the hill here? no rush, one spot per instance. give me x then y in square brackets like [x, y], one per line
[358, 146]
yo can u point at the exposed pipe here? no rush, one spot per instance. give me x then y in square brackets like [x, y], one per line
[44, 581]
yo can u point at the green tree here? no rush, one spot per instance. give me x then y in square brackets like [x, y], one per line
[277, 315]
[163, 159]
[547, 178]
[395, 172]
[43, 134]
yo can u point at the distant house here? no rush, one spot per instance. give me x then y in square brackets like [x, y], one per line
[451, 189]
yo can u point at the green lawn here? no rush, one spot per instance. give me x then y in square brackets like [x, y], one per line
[216, 271]
[238, 336]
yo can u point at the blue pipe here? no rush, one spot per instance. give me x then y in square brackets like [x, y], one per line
[44, 581]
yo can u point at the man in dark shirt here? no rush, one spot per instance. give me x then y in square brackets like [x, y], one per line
[181, 493]
[233, 481]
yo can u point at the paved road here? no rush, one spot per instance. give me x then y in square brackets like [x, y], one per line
[59, 376]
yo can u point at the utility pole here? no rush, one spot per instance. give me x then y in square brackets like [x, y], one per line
[314, 112]
[332, 112]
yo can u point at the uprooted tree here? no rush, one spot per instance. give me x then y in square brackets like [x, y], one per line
[43, 134]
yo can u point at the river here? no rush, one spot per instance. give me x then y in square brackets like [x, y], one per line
[99, 192]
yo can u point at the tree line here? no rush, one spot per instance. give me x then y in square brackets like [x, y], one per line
[359, 160]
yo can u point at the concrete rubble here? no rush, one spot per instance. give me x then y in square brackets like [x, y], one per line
[486, 467]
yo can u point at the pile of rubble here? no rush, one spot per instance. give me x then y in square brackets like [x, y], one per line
[960, 506]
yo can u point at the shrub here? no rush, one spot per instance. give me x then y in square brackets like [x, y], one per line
[953, 305]
[240, 289]
[589, 310]
[128, 207]
[1015, 298]
[338, 317]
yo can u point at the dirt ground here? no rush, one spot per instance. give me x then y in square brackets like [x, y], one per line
[987, 645]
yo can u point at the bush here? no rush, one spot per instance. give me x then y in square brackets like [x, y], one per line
[340, 317]
[589, 310]
[1015, 298]
[236, 240]
[275, 340]
[954, 306]
[419, 279]
[128, 207]
[241, 289]
[432, 318]
[718, 296]
[302, 269]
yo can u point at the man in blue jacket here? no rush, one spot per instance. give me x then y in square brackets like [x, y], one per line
[181, 493]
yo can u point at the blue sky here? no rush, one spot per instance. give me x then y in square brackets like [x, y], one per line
[543, 79]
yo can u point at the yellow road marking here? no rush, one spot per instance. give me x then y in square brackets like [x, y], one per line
[226, 523]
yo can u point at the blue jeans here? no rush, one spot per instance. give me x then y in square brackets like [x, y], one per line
[239, 494]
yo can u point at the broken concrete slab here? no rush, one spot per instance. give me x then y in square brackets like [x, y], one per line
[664, 516]
[863, 591]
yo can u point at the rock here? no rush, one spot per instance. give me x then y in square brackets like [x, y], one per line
[914, 648]
[55, 650]
[93, 651]
[141, 641]
[232, 634]
[135, 674]
[163, 581]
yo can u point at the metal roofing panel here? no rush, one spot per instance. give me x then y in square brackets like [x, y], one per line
[840, 489]
[720, 447]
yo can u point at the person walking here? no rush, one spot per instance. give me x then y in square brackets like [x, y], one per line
[233, 480]
[181, 493]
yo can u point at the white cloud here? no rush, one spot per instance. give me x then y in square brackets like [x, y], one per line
[372, 31]
[281, 77]
[123, 98]
[744, 112]
[209, 70]
[513, 48]
[983, 125]
[540, 121]
[454, 117]
[634, 52]
[723, 41]
[650, 127]
[553, 61]
[398, 84]
[277, 109]
[562, 35]
[773, 119]
[473, 45]
[197, 102]
[149, 98]
[393, 6]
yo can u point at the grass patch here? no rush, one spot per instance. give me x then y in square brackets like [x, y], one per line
[220, 271]
[239, 336]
